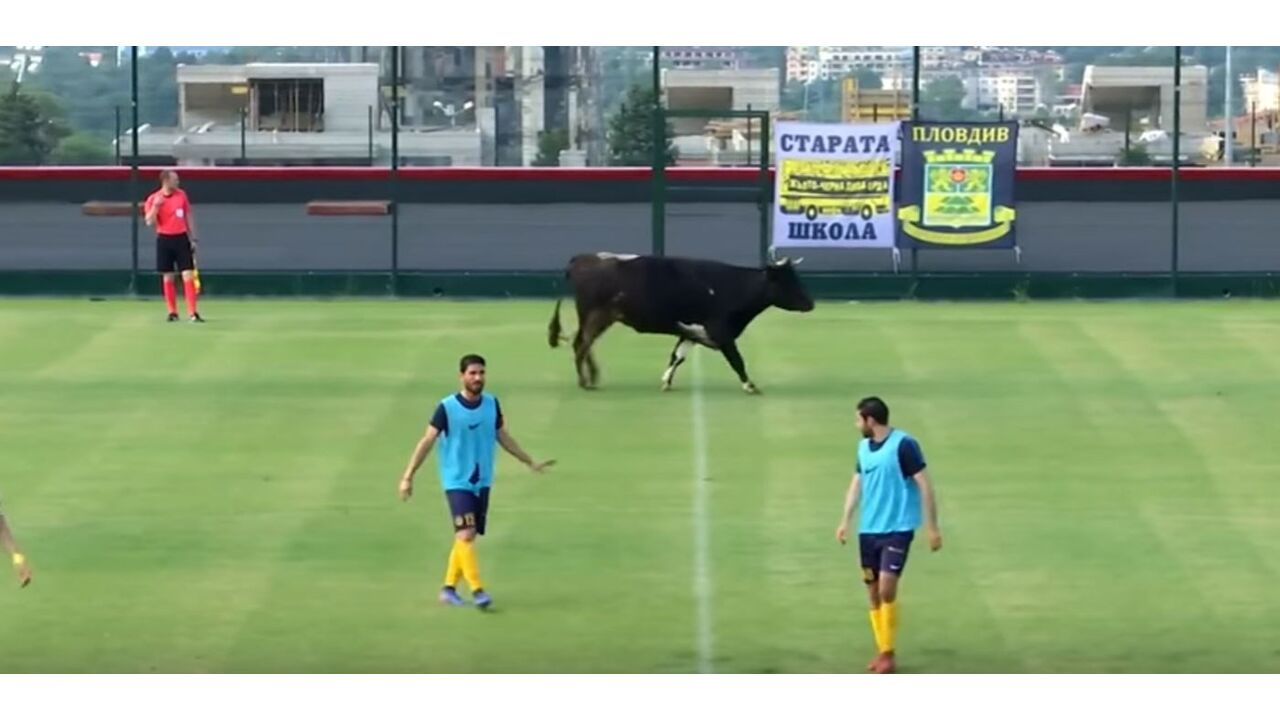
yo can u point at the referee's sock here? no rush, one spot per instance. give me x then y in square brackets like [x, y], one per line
[170, 295]
[189, 291]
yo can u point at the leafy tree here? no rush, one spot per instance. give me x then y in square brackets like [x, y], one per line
[1135, 156]
[24, 131]
[550, 144]
[81, 149]
[869, 79]
[631, 131]
[943, 98]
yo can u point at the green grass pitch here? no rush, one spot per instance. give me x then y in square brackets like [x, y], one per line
[222, 498]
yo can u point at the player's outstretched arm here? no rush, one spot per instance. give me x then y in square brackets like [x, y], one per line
[851, 499]
[509, 444]
[420, 453]
[930, 505]
[11, 546]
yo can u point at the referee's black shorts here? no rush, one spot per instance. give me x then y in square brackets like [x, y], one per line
[174, 251]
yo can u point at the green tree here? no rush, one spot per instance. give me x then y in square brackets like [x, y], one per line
[942, 100]
[869, 79]
[24, 137]
[81, 149]
[631, 131]
[550, 144]
[1135, 156]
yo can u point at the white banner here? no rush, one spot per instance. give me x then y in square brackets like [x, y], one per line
[834, 185]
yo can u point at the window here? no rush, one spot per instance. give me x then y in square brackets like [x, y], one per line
[289, 105]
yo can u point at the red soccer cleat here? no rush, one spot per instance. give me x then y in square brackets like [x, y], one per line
[885, 664]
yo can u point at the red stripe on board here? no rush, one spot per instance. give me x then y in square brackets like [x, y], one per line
[611, 174]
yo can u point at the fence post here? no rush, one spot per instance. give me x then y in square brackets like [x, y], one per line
[1173, 174]
[133, 168]
[1253, 134]
[659, 179]
[370, 135]
[244, 121]
[395, 170]
[764, 190]
[915, 116]
[116, 144]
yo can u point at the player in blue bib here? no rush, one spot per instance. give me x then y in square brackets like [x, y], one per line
[891, 487]
[469, 428]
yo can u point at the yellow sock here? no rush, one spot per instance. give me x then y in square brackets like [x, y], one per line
[454, 570]
[889, 624]
[466, 552]
[876, 629]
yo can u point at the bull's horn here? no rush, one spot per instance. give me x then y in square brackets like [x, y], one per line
[797, 261]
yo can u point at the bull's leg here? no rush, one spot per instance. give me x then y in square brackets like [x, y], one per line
[730, 350]
[579, 342]
[678, 354]
[590, 331]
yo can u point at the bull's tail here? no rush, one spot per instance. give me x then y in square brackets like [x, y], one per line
[554, 333]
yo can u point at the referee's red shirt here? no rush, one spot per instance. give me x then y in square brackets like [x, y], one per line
[172, 217]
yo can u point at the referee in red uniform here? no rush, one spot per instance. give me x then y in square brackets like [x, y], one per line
[169, 210]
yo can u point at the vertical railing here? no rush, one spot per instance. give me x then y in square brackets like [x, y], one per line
[395, 170]
[133, 168]
[659, 177]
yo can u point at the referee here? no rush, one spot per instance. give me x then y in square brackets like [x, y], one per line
[169, 210]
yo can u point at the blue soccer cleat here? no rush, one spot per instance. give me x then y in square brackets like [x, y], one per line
[449, 596]
[482, 599]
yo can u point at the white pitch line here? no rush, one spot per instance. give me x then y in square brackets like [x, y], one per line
[702, 589]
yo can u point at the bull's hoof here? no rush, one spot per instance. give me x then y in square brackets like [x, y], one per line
[750, 389]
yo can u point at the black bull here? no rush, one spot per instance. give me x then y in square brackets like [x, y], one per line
[700, 302]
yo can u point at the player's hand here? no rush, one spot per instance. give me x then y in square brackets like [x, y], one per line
[406, 489]
[24, 573]
[842, 533]
[935, 539]
[540, 466]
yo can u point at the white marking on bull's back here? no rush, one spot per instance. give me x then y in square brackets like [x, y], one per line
[702, 588]
[697, 331]
[616, 256]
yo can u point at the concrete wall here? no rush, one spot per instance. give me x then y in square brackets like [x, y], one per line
[1225, 236]
[347, 99]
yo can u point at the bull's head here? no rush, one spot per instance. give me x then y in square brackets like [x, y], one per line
[786, 291]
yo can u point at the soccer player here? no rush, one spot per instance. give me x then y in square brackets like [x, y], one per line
[11, 546]
[469, 426]
[891, 485]
[169, 210]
